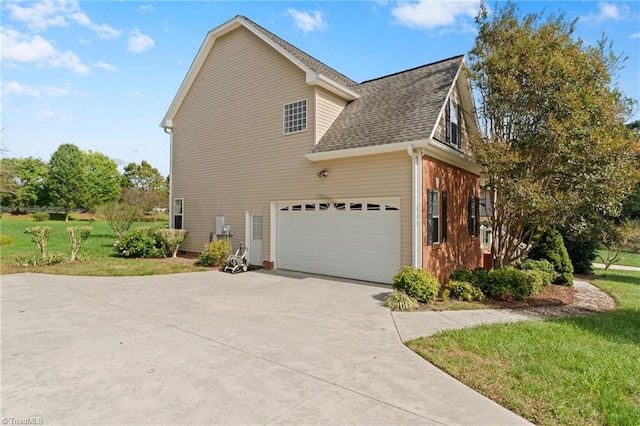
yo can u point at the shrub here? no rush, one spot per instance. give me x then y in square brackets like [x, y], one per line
[41, 216]
[40, 236]
[544, 267]
[121, 216]
[5, 240]
[478, 277]
[508, 283]
[400, 301]
[172, 238]
[417, 283]
[551, 247]
[462, 290]
[49, 259]
[77, 236]
[215, 253]
[142, 242]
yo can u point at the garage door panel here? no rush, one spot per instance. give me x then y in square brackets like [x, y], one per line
[362, 244]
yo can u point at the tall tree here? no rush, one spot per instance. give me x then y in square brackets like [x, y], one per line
[66, 182]
[144, 177]
[554, 142]
[103, 179]
[24, 179]
[144, 186]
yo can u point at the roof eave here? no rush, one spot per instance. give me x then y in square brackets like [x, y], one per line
[330, 85]
[429, 147]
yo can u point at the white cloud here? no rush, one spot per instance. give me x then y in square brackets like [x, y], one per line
[635, 35]
[432, 14]
[135, 94]
[139, 42]
[145, 8]
[16, 88]
[56, 13]
[25, 48]
[308, 21]
[105, 66]
[606, 12]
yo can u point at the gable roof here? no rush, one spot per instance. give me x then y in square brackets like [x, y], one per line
[317, 73]
[397, 108]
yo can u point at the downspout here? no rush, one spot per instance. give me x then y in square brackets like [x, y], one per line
[169, 131]
[416, 206]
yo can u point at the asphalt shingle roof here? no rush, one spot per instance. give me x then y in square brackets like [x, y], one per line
[397, 108]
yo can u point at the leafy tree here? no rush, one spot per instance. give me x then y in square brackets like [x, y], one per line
[103, 179]
[24, 180]
[554, 140]
[144, 177]
[66, 182]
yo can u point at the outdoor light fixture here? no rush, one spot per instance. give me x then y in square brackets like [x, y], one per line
[323, 173]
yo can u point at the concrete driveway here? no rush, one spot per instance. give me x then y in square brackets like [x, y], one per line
[216, 348]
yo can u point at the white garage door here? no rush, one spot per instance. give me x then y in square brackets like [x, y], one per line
[357, 238]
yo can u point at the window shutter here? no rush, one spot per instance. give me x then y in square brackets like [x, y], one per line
[448, 122]
[470, 207]
[459, 127]
[443, 218]
[477, 221]
[430, 230]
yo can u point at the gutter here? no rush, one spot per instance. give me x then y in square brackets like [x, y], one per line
[169, 131]
[416, 205]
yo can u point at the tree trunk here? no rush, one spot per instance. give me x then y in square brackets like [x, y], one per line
[66, 214]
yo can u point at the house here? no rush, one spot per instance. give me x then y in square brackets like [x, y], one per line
[315, 172]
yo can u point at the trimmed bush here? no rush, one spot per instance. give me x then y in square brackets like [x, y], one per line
[417, 283]
[172, 238]
[544, 267]
[40, 236]
[478, 277]
[551, 247]
[400, 301]
[508, 283]
[215, 254]
[40, 216]
[142, 242]
[462, 290]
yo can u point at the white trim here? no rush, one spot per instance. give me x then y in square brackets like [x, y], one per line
[273, 234]
[449, 94]
[247, 230]
[172, 212]
[432, 148]
[306, 117]
[311, 77]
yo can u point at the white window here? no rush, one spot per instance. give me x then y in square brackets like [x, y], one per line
[178, 205]
[295, 117]
[433, 216]
[454, 120]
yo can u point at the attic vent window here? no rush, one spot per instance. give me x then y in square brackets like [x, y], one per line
[295, 117]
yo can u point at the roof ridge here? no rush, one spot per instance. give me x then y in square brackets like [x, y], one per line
[414, 68]
[260, 27]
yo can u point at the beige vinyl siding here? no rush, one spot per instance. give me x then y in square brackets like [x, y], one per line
[230, 154]
[328, 107]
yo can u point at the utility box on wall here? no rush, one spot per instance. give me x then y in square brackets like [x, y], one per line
[219, 224]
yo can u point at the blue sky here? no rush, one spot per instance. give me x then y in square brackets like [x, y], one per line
[101, 75]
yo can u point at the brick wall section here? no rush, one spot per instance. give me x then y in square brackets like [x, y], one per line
[459, 250]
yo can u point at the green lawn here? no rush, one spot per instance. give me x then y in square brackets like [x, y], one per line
[97, 250]
[626, 259]
[582, 370]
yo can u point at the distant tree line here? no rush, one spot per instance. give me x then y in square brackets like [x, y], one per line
[79, 179]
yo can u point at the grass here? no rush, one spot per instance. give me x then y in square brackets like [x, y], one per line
[97, 250]
[581, 370]
[626, 258]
